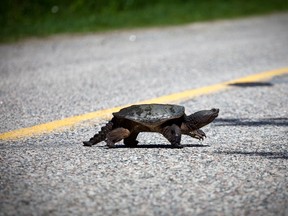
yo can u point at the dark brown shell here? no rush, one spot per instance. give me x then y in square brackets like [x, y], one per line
[152, 114]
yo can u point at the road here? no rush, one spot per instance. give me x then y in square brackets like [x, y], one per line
[240, 169]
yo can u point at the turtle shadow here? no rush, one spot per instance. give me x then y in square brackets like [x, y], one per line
[152, 146]
[269, 154]
[251, 122]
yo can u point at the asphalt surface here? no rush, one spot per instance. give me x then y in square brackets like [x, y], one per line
[240, 169]
[44, 80]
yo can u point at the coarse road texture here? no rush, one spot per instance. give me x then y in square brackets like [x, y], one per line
[240, 169]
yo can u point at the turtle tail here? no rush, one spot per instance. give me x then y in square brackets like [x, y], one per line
[100, 136]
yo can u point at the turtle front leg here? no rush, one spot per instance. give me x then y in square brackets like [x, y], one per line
[116, 135]
[173, 135]
[197, 134]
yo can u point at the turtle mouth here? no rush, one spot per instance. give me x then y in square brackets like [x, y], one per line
[215, 112]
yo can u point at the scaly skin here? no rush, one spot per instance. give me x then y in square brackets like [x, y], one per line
[101, 136]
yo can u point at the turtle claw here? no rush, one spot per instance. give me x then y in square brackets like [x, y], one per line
[203, 136]
[110, 144]
[198, 134]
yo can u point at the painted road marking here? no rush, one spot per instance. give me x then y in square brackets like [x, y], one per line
[172, 98]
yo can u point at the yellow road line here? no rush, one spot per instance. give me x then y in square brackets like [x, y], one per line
[172, 98]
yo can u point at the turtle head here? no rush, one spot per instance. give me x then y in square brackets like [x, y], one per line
[200, 119]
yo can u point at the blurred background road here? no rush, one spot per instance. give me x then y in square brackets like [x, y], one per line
[240, 169]
[58, 77]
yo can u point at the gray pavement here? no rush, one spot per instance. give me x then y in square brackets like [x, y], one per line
[47, 79]
[240, 169]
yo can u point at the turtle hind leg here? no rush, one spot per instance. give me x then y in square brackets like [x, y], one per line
[173, 135]
[131, 140]
[116, 135]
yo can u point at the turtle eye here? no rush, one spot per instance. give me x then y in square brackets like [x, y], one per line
[214, 110]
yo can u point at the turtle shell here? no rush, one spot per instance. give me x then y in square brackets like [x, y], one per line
[151, 114]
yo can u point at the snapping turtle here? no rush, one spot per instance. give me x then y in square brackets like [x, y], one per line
[168, 119]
